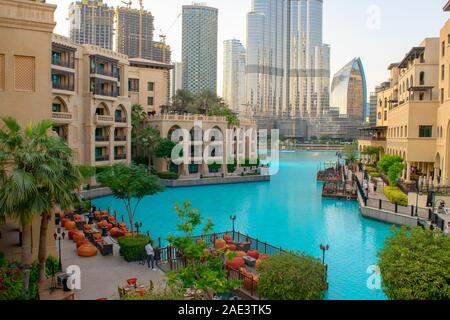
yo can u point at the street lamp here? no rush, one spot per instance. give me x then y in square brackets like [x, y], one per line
[324, 248]
[58, 235]
[138, 225]
[417, 197]
[233, 218]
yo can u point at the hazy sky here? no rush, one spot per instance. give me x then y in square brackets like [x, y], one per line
[378, 31]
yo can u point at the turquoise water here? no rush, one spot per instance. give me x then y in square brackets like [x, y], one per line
[286, 212]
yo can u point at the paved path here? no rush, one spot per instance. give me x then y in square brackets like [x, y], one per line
[101, 276]
[379, 193]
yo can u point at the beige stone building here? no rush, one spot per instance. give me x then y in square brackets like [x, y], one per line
[149, 84]
[26, 28]
[91, 108]
[411, 116]
[207, 140]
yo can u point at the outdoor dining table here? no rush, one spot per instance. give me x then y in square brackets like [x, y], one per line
[138, 289]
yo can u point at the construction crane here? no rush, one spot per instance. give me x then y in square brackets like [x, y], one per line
[127, 4]
[163, 35]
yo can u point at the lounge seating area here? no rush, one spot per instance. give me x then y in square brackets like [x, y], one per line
[91, 232]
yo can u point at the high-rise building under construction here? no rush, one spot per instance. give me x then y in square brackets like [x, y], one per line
[91, 22]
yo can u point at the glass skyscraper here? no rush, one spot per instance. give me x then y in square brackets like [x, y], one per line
[349, 91]
[199, 48]
[234, 74]
[287, 64]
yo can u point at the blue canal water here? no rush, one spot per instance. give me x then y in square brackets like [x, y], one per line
[287, 211]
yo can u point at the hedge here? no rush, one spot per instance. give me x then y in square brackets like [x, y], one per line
[133, 248]
[395, 195]
[168, 175]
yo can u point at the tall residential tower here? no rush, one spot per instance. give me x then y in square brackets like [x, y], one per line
[234, 74]
[199, 49]
[91, 22]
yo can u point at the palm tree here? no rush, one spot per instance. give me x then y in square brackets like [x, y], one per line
[137, 117]
[37, 176]
[148, 138]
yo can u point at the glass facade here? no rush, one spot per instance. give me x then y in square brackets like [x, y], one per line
[349, 91]
[199, 48]
[287, 63]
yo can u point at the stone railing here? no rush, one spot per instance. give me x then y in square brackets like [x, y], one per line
[178, 117]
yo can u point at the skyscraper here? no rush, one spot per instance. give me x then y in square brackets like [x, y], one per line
[176, 78]
[349, 91]
[91, 22]
[287, 63]
[134, 32]
[199, 48]
[234, 74]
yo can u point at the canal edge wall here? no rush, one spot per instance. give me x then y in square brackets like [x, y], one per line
[103, 192]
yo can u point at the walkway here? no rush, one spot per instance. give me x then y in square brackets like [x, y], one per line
[379, 193]
[102, 275]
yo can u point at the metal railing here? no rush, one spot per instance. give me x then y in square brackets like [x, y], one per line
[120, 157]
[175, 260]
[120, 138]
[69, 63]
[61, 86]
[120, 119]
[440, 190]
[101, 138]
[102, 158]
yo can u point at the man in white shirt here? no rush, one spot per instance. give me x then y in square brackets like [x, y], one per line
[150, 255]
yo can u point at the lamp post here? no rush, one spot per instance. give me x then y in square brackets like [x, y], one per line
[233, 218]
[138, 225]
[324, 248]
[58, 235]
[417, 197]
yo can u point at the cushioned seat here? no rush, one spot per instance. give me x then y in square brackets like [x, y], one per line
[70, 225]
[236, 263]
[87, 250]
[219, 244]
[253, 253]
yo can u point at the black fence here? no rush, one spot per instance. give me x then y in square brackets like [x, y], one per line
[440, 190]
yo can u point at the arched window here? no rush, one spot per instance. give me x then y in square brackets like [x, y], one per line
[422, 78]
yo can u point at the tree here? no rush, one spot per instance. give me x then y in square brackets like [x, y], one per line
[138, 116]
[205, 100]
[147, 138]
[39, 175]
[387, 161]
[221, 109]
[130, 183]
[182, 101]
[204, 270]
[394, 173]
[414, 265]
[164, 148]
[290, 276]
[349, 153]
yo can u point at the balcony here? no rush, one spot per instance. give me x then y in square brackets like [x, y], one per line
[101, 138]
[101, 158]
[120, 119]
[120, 157]
[120, 138]
[65, 87]
[105, 120]
[106, 93]
[63, 63]
[62, 117]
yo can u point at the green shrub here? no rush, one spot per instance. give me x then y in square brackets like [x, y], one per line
[51, 266]
[141, 160]
[99, 170]
[289, 276]
[231, 167]
[168, 175]
[133, 248]
[395, 195]
[414, 265]
[33, 289]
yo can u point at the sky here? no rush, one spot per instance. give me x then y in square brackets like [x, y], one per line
[378, 31]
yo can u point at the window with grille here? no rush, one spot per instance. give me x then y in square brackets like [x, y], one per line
[150, 101]
[425, 131]
[24, 73]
